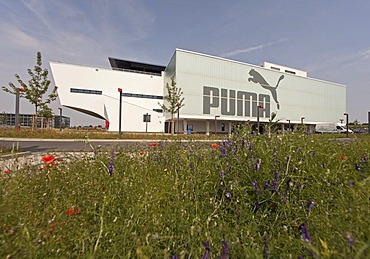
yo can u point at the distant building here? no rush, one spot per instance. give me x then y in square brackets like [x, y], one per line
[25, 120]
[219, 94]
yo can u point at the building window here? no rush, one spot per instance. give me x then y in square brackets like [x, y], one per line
[189, 127]
[147, 96]
[290, 72]
[158, 110]
[275, 68]
[85, 91]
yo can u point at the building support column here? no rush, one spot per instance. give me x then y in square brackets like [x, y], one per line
[185, 125]
[229, 127]
[207, 127]
[282, 127]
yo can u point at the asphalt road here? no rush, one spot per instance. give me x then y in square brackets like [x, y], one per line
[48, 145]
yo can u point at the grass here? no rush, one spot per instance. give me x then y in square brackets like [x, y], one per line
[94, 134]
[248, 197]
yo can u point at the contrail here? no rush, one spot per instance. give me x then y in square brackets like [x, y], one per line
[261, 46]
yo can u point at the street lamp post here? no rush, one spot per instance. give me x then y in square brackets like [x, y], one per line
[302, 119]
[288, 125]
[120, 113]
[258, 118]
[17, 99]
[347, 115]
[216, 124]
[60, 118]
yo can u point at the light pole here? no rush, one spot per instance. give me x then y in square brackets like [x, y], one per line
[302, 119]
[258, 118]
[60, 118]
[178, 117]
[120, 113]
[288, 125]
[347, 115]
[17, 98]
[216, 123]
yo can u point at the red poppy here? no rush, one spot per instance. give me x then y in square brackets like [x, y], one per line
[72, 211]
[153, 144]
[142, 153]
[214, 145]
[343, 157]
[7, 171]
[48, 159]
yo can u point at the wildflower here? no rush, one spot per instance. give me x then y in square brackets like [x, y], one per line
[222, 175]
[265, 247]
[267, 183]
[243, 143]
[214, 145]
[350, 183]
[305, 234]
[250, 147]
[255, 187]
[349, 237]
[179, 159]
[48, 159]
[258, 165]
[343, 157]
[228, 196]
[153, 144]
[357, 167]
[363, 159]
[141, 153]
[310, 204]
[257, 205]
[7, 171]
[73, 211]
[191, 166]
[225, 250]
[207, 253]
[275, 183]
[111, 164]
[223, 152]
[282, 196]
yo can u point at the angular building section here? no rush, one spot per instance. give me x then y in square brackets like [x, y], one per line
[94, 91]
[219, 94]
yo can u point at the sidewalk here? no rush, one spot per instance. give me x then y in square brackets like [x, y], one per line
[17, 161]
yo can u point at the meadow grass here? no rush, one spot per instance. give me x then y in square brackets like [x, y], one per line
[250, 196]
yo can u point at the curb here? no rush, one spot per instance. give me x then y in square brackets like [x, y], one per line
[15, 155]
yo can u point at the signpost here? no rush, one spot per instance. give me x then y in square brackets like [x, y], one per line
[146, 119]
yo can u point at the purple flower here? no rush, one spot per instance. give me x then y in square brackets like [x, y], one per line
[191, 166]
[222, 175]
[255, 187]
[111, 164]
[363, 158]
[265, 247]
[175, 257]
[275, 183]
[179, 159]
[314, 154]
[282, 197]
[244, 143]
[349, 237]
[310, 204]
[207, 253]
[357, 167]
[267, 183]
[250, 147]
[225, 252]
[351, 183]
[228, 196]
[305, 234]
[258, 165]
[300, 186]
[223, 151]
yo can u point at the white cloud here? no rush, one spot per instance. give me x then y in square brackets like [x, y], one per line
[13, 37]
[258, 47]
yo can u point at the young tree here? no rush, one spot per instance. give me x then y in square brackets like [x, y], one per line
[172, 101]
[37, 86]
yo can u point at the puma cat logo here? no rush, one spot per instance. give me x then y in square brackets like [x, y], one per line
[258, 79]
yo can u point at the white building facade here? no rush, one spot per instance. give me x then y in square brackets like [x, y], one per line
[218, 92]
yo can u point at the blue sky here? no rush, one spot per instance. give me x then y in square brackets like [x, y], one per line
[328, 39]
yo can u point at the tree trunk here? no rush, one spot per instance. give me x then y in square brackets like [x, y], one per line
[172, 125]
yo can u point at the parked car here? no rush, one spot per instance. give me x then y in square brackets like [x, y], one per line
[331, 128]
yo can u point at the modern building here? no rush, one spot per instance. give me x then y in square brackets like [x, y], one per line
[219, 93]
[25, 120]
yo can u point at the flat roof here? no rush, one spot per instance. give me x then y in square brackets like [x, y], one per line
[120, 64]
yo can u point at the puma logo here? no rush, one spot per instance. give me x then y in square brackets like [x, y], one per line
[258, 79]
